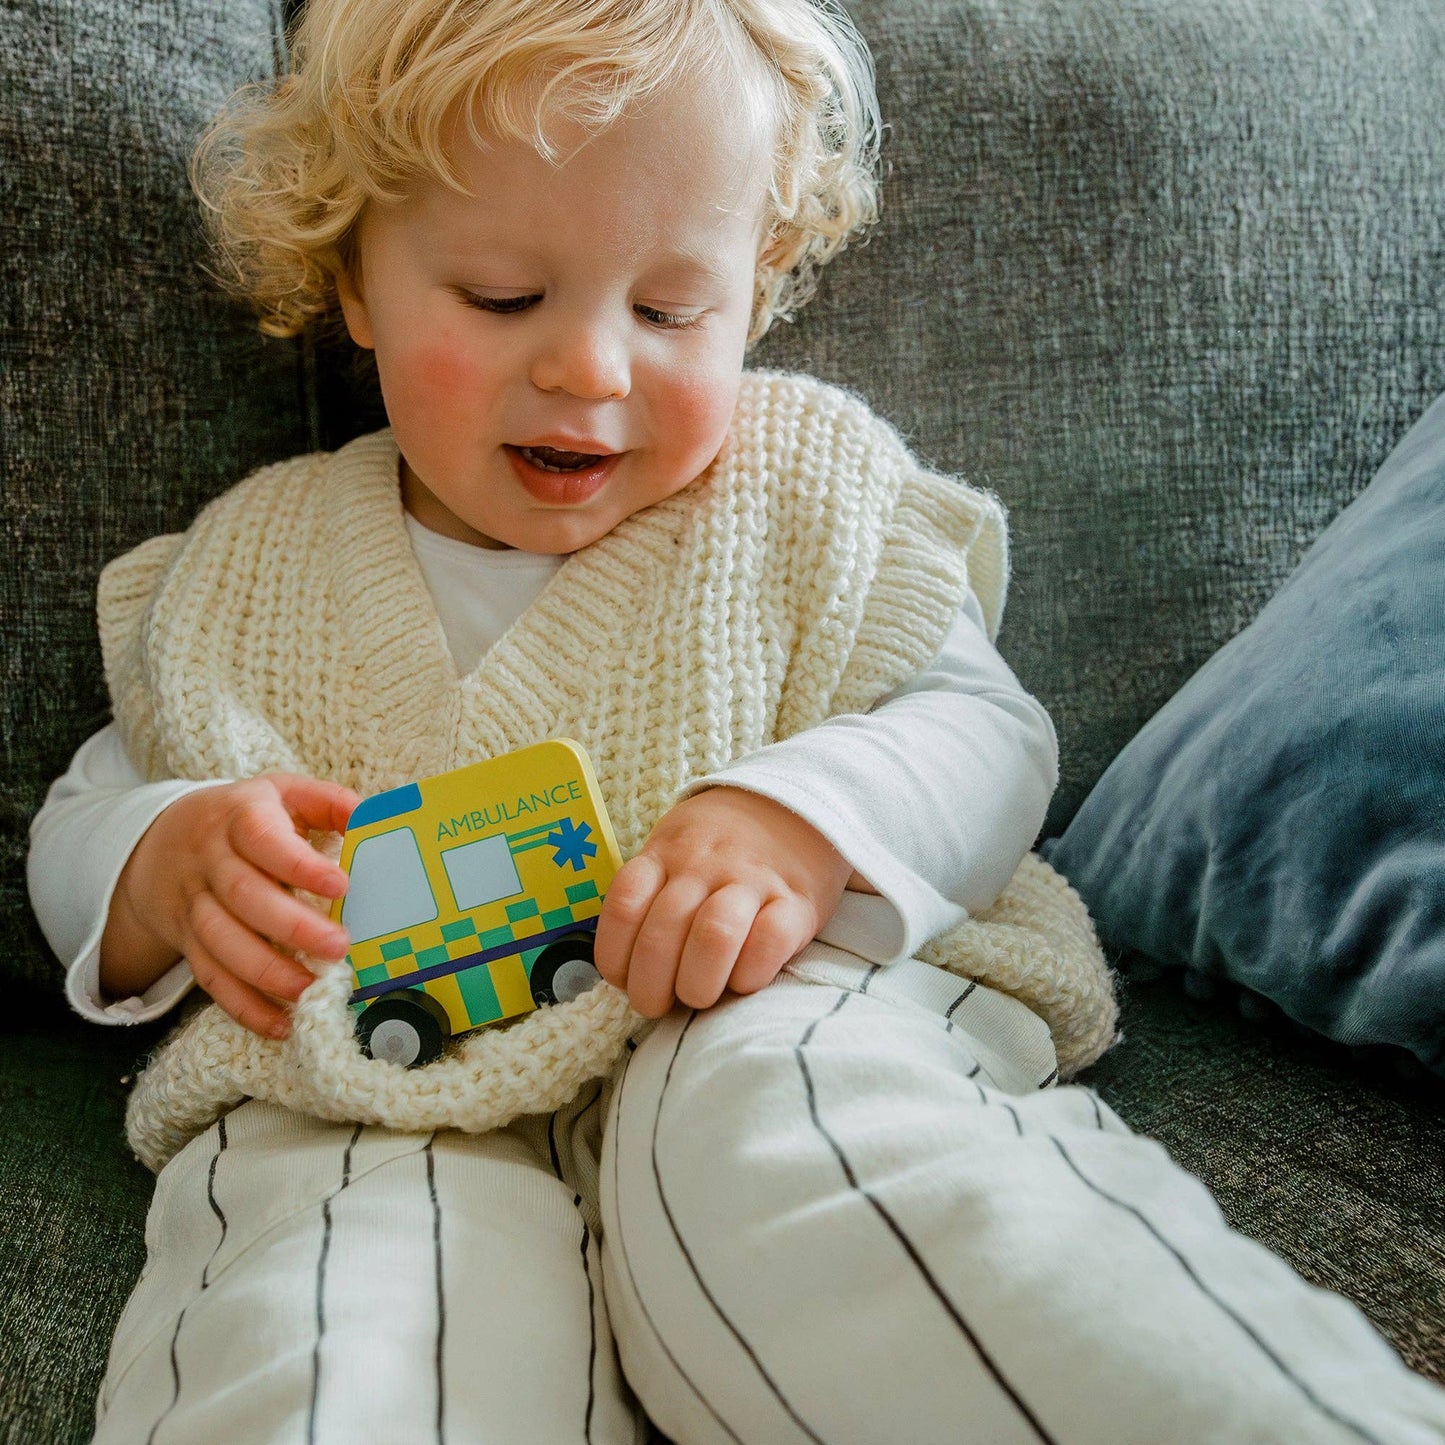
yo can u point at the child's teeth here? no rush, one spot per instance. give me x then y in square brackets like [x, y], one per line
[552, 460]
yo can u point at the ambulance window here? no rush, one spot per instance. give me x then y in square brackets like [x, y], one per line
[482, 872]
[389, 889]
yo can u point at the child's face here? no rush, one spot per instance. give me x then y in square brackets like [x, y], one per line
[599, 307]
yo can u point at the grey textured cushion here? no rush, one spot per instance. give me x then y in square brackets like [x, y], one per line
[130, 391]
[1281, 821]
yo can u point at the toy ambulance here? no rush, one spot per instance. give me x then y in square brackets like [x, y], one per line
[474, 897]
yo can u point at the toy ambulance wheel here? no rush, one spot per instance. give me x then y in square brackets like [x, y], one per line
[564, 970]
[407, 1027]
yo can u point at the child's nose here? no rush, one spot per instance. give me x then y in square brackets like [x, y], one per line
[585, 361]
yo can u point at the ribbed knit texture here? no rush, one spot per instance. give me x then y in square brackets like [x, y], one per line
[812, 569]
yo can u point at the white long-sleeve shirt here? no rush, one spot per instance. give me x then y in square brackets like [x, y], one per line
[933, 797]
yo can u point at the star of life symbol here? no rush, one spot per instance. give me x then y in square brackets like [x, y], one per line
[570, 842]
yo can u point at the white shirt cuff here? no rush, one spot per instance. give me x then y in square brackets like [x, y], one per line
[94, 876]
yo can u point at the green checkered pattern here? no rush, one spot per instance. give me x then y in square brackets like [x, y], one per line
[464, 930]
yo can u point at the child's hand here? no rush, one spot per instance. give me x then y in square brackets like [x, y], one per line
[209, 880]
[727, 888]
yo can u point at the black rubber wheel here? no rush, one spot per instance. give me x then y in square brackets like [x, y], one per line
[406, 1027]
[564, 970]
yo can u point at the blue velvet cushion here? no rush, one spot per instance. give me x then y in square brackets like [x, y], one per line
[1281, 820]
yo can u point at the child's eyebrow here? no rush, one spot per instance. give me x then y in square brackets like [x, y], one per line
[674, 265]
[688, 265]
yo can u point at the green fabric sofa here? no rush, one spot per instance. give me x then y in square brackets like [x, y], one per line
[1165, 274]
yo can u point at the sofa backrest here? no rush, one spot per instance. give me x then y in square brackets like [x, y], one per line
[1166, 275]
[1163, 275]
[131, 391]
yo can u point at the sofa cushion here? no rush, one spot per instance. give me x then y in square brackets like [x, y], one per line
[72, 1241]
[131, 391]
[1281, 822]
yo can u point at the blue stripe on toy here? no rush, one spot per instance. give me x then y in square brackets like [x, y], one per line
[472, 960]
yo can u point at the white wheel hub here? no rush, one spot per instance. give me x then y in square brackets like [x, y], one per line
[396, 1041]
[574, 979]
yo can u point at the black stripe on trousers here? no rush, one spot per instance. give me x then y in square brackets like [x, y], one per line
[954, 1005]
[321, 1284]
[896, 1230]
[1209, 1294]
[878, 1207]
[346, 1181]
[586, 1266]
[627, 1262]
[205, 1278]
[1189, 1270]
[436, 1236]
[686, 1253]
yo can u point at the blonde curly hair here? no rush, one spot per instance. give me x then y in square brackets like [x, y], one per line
[376, 86]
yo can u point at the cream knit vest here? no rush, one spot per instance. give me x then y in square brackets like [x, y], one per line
[813, 568]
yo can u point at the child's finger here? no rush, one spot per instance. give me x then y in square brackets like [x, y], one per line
[263, 834]
[782, 928]
[250, 1008]
[718, 931]
[628, 898]
[652, 971]
[315, 803]
[242, 953]
[256, 900]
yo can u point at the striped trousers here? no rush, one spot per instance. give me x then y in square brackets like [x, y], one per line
[850, 1208]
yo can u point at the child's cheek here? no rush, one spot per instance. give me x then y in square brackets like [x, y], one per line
[701, 409]
[439, 380]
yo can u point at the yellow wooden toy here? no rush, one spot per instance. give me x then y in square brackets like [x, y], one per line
[474, 897]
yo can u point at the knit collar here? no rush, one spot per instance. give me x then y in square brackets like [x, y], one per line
[374, 557]
[528, 681]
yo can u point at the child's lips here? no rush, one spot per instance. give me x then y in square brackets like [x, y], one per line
[546, 476]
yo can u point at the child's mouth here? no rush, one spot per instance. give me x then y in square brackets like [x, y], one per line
[552, 460]
[559, 478]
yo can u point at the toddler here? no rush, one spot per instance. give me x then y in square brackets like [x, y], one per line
[833, 1192]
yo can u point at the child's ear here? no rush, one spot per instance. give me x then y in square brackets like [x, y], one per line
[353, 307]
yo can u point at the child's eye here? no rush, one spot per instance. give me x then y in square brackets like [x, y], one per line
[498, 305]
[671, 320]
